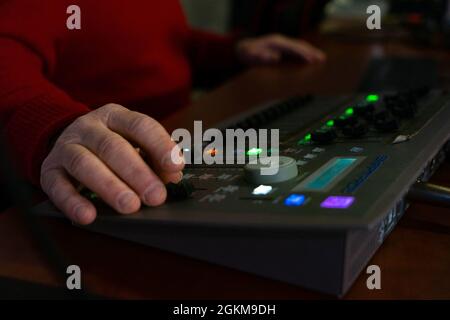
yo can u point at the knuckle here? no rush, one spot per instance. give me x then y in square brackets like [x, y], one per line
[82, 121]
[80, 125]
[104, 113]
[78, 162]
[112, 107]
[277, 37]
[141, 124]
[47, 166]
[138, 176]
[49, 185]
[44, 181]
[109, 146]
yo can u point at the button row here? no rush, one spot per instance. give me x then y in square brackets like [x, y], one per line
[382, 114]
[331, 202]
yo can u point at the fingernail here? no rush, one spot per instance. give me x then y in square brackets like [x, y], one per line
[127, 201]
[174, 157]
[81, 214]
[155, 194]
[178, 177]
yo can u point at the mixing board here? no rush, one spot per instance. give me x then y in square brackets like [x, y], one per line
[346, 164]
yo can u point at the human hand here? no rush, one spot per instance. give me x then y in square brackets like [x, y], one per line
[95, 151]
[270, 49]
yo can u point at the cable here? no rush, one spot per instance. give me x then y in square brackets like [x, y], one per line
[430, 193]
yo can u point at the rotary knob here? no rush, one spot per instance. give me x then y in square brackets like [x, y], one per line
[324, 135]
[357, 130]
[255, 173]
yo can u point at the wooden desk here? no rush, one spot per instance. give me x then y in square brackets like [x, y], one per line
[415, 258]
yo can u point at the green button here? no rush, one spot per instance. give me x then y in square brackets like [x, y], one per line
[254, 152]
[372, 98]
[349, 111]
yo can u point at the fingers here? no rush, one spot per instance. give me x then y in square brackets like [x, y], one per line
[94, 151]
[314, 54]
[171, 177]
[298, 48]
[150, 135]
[124, 160]
[90, 171]
[65, 197]
[270, 49]
[268, 56]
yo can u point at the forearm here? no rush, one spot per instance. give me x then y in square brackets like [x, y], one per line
[213, 55]
[32, 109]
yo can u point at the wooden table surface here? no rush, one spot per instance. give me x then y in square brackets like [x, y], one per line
[414, 260]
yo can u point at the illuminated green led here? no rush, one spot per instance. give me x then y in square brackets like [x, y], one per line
[330, 123]
[306, 139]
[254, 152]
[372, 98]
[349, 111]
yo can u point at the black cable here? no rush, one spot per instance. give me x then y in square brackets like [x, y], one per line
[430, 193]
[21, 197]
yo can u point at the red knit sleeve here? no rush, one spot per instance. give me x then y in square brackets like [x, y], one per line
[212, 54]
[32, 109]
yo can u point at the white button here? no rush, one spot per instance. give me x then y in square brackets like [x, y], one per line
[318, 150]
[310, 156]
[262, 190]
[301, 162]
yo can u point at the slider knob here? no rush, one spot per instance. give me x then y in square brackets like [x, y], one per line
[179, 191]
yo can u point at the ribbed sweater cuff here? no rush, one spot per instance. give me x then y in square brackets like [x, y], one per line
[32, 126]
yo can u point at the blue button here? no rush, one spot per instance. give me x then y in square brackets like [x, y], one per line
[295, 200]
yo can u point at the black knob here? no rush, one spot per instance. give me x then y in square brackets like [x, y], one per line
[364, 109]
[404, 110]
[386, 124]
[391, 99]
[357, 130]
[417, 93]
[324, 135]
[344, 120]
[381, 114]
[179, 191]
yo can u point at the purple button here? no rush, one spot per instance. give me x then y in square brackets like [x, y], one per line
[337, 202]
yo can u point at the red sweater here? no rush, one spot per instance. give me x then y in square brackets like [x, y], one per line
[138, 53]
